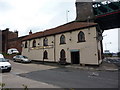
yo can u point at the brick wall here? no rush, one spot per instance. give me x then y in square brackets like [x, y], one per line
[15, 43]
[10, 40]
[12, 35]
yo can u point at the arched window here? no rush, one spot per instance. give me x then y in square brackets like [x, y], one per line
[81, 37]
[62, 54]
[62, 39]
[45, 42]
[45, 56]
[26, 44]
[34, 43]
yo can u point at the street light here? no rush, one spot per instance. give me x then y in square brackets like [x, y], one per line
[67, 11]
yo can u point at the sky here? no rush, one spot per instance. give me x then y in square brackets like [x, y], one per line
[23, 15]
[110, 40]
[39, 15]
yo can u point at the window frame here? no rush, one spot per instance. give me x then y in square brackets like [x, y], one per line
[45, 41]
[62, 39]
[81, 37]
[26, 44]
[45, 55]
[34, 43]
[62, 54]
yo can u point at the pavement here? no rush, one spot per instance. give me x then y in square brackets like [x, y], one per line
[103, 67]
[14, 81]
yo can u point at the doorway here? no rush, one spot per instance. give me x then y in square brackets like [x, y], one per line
[75, 57]
[62, 57]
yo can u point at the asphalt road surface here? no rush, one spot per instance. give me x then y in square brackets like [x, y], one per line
[75, 78]
[13, 81]
[53, 76]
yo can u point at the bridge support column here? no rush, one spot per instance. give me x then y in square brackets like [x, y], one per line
[84, 11]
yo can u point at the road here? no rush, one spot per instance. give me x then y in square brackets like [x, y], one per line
[43, 76]
[13, 80]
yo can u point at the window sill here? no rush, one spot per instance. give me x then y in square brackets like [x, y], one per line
[45, 58]
[62, 43]
[81, 41]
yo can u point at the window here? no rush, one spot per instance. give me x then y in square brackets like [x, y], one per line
[62, 54]
[26, 44]
[45, 56]
[62, 57]
[45, 42]
[34, 43]
[62, 39]
[81, 37]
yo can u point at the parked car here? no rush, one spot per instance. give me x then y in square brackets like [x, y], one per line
[12, 51]
[4, 64]
[21, 58]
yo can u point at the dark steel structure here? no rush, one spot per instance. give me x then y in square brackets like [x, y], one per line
[105, 13]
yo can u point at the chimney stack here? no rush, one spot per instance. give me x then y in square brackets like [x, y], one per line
[7, 29]
[16, 32]
[30, 32]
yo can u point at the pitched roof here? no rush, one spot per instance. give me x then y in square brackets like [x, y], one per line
[61, 29]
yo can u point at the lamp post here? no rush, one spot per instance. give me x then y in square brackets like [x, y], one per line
[67, 11]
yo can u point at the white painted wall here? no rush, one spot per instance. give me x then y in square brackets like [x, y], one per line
[88, 50]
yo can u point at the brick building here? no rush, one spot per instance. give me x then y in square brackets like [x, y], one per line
[9, 40]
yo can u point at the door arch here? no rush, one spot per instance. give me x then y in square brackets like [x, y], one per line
[62, 56]
[45, 55]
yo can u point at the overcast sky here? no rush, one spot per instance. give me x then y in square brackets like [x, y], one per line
[38, 15]
[110, 40]
[23, 15]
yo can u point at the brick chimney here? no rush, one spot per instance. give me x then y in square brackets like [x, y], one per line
[7, 29]
[30, 32]
[16, 32]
